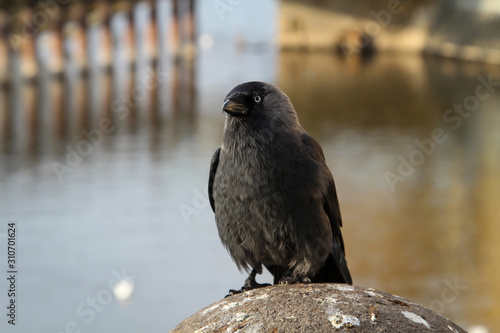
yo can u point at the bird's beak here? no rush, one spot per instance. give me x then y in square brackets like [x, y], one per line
[235, 106]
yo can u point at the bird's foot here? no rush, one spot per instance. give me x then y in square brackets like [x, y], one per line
[246, 287]
[289, 278]
[250, 284]
[234, 292]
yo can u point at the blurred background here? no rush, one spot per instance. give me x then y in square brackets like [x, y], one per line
[111, 110]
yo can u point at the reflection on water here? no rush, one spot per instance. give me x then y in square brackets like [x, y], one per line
[121, 205]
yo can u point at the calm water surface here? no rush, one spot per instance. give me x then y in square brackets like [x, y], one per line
[134, 206]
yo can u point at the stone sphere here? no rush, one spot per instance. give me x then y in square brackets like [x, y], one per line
[316, 308]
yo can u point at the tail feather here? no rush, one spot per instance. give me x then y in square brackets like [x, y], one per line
[335, 269]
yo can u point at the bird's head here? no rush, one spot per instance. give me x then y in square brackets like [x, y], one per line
[258, 100]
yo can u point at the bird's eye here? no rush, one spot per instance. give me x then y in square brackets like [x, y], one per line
[257, 99]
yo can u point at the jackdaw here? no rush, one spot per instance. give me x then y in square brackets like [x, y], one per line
[272, 193]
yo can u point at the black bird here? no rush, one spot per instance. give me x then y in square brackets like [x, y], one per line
[273, 195]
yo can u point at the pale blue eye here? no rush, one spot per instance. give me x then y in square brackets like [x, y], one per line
[257, 99]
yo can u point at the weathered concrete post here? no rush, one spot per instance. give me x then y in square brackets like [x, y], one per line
[316, 308]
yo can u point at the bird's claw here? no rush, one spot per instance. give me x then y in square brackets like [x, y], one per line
[234, 292]
[292, 279]
[246, 287]
[250, 284]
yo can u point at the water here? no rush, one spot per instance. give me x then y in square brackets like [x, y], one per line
[133, 205]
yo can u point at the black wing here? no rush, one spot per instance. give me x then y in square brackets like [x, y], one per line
[335, 268]
[213, 169]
